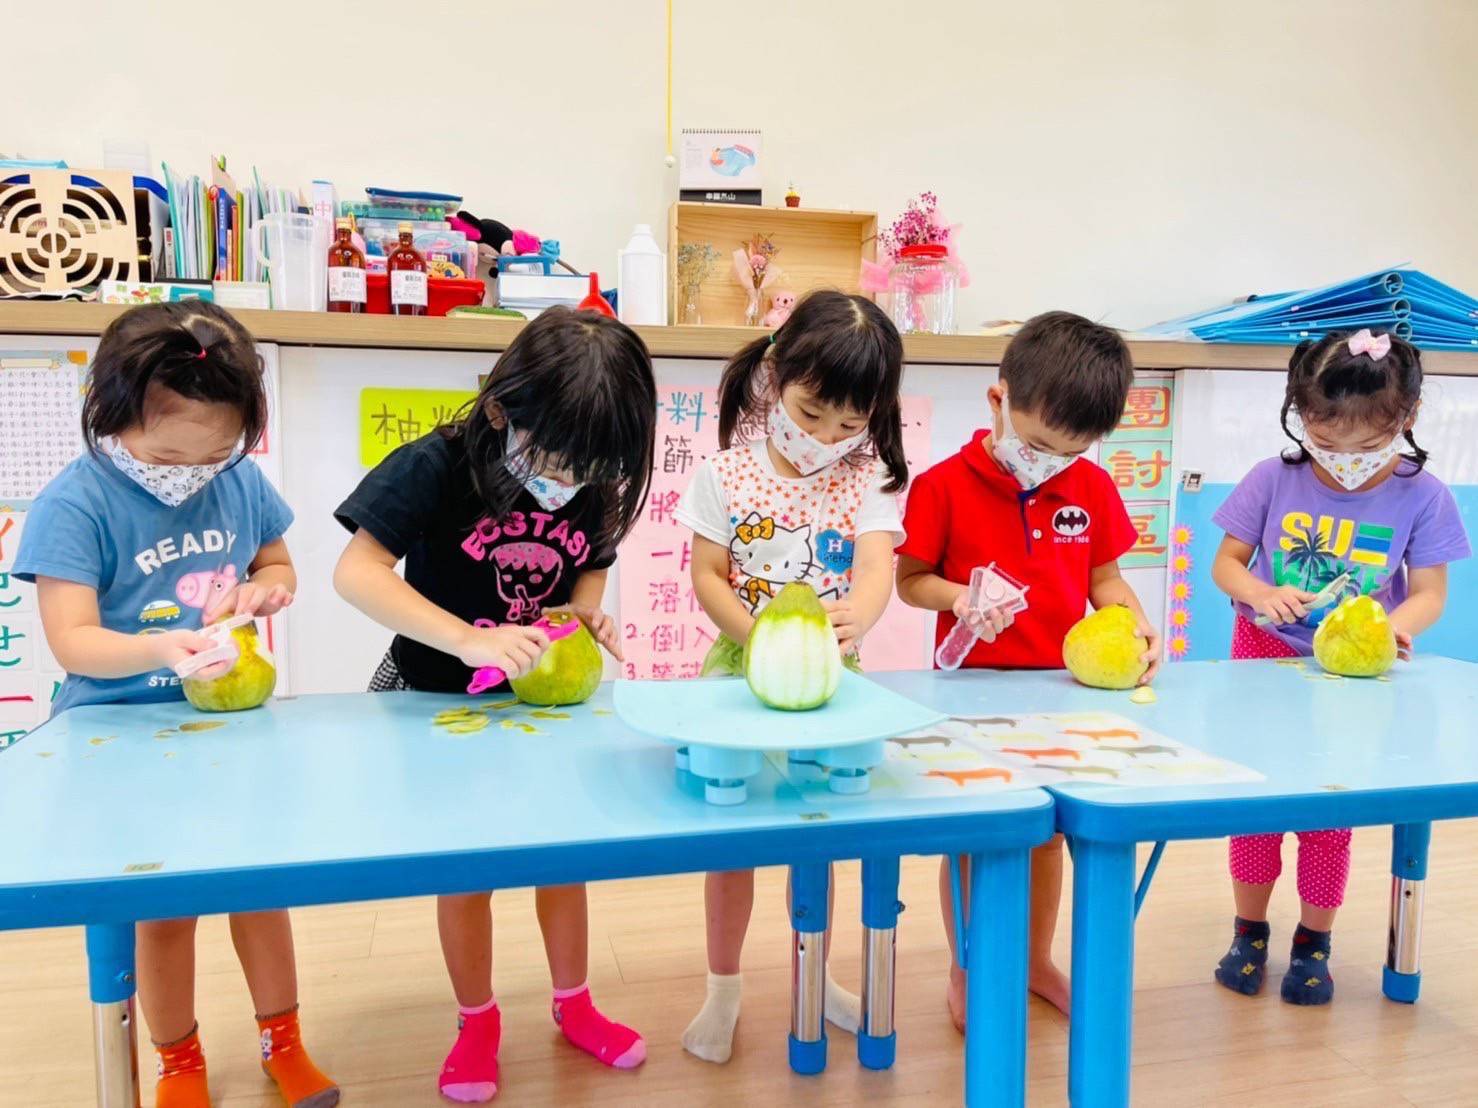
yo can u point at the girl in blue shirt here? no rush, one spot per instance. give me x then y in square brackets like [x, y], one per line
[161, 527]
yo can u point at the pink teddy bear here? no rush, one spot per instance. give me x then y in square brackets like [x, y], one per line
[781, 305]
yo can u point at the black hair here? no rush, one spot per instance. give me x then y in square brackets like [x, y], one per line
[846, 351]
[1069, 372]
[190, 347]
[578, 387]
[1328, 384]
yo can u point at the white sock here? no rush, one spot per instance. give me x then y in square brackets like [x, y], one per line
[711, 1034]
[843, 1009]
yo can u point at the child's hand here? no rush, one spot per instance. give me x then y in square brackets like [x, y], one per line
[1282, 603]
[844, 622]
[514, 650]
[249, 599]
[603, 627]
[987, 623]
[1154, 655]
[170, 648]
[1403, 645]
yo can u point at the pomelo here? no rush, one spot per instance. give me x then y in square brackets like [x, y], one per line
[792, 660]
[1105, 650]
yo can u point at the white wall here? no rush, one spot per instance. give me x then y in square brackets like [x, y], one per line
[1131, 159]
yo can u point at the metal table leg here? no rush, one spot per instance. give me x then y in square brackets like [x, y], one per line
[994, 942]
[1101, 1038]
[808, 908]
[110, 973]
[876, 1040]
[1402, 977]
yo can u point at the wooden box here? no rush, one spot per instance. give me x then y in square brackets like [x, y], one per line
[818, 249]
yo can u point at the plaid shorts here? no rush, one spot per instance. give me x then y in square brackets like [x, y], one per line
[387, 677]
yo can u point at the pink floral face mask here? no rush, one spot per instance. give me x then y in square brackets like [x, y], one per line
[801, 448]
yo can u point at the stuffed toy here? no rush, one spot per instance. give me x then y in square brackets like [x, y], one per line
[497, 240]
[782, 304]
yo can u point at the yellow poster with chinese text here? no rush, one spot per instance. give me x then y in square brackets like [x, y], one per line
[390, 418]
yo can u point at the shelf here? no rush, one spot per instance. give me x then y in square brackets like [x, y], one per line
[717, 343]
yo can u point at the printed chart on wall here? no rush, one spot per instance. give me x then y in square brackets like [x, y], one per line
[1137, 456]
[40, 434]
[664, 631]
[968, 755]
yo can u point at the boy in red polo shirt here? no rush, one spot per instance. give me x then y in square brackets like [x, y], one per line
[1022, 496]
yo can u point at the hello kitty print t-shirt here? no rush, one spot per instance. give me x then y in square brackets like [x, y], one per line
[781, 529]
[420, 504]
[155, 568]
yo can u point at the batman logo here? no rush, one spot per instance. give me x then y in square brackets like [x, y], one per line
[1070, 521]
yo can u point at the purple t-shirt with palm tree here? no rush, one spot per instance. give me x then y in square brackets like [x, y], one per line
[1307, 534]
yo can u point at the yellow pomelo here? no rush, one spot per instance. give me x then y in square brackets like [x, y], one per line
[1104, 650]
[1356, 639]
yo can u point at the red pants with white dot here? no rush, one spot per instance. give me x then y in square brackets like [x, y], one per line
[1323, 856]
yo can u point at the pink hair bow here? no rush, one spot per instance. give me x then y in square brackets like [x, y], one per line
[1363, 342]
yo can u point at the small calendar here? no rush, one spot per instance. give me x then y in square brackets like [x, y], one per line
[40, 418]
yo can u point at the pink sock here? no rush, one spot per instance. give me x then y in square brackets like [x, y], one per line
[612, 1043]
[470, 1073]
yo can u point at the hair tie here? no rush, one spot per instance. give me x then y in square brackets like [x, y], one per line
[1375, 346]
[201, 356]
[772, 339]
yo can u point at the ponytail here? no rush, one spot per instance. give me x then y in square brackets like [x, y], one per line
[742, 390]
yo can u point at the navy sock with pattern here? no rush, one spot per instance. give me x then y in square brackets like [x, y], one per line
[1308, 980]
[1245, 964]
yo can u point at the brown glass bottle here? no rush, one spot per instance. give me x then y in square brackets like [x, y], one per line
[347, 291]
[407, 270]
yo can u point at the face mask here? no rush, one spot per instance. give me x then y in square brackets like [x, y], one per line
[1353, 468]
[1032, 468]
[171, 485]
[801, 448]
[550, 493]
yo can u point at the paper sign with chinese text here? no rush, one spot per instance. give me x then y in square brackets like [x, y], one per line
[390, 418]
[1137, 456]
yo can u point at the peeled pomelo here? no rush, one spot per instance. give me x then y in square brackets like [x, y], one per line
[1356, 639]
[1105, 650]
[235, 686]
[568, 673]
[792, 660]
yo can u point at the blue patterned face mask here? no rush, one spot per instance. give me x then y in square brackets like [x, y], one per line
[171, 485]
[551, 493]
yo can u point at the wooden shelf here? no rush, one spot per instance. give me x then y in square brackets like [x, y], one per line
[717, 343]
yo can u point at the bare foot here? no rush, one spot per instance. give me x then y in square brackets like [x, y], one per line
[1051, 984]
[954, 995]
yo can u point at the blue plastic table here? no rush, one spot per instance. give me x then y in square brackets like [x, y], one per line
[1336, 753]
[107, 821]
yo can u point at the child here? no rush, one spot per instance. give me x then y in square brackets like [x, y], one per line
[512, 511]
[1020, 495]
[165, 506]
[802, 490]
[1349, 406]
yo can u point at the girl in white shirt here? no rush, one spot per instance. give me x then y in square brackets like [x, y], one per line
[804, 489]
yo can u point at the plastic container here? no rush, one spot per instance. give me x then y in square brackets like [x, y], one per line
[442, 294]
[921, 289]
[295, 251]
[642, 279]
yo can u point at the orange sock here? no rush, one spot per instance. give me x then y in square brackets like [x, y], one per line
[301, 1083]
[182, 1074]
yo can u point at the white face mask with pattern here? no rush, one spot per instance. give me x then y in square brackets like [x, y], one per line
[170, 485]
[551, 493]
[804, 450]
[1031, 467]
[1351, 468]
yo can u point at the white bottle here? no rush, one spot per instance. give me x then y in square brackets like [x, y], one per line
[642, 279]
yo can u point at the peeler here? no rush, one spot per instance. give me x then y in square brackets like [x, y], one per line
[1322, 599]
[555, 625]
[224, 650]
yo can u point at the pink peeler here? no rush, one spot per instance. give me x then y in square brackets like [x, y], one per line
[555, 625]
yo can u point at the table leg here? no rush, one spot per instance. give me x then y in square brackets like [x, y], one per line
[877, 1042]
[995, 983]
[1402, 977]
[808, 909]
[110, 975]
[1101, 1037]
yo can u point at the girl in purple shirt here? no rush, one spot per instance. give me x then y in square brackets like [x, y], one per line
[1352, 497]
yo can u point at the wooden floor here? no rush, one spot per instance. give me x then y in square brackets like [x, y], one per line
[378, 1013]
